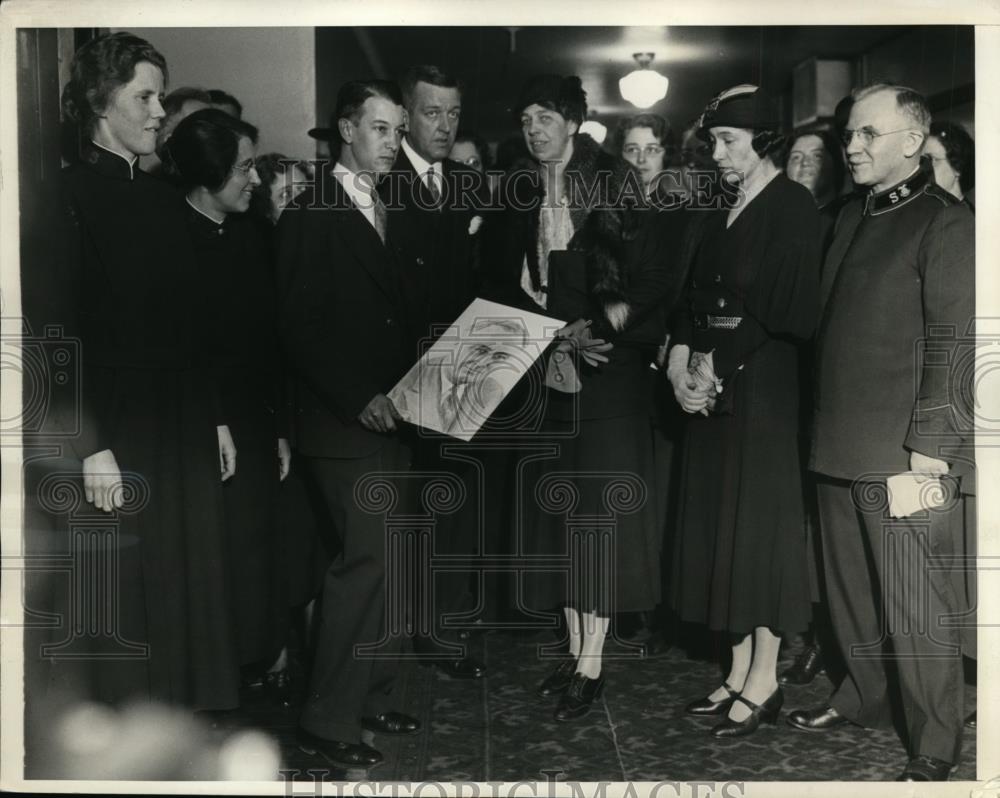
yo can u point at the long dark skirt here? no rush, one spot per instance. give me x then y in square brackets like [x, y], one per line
[590, 514]
[251, 503]
[740, 557]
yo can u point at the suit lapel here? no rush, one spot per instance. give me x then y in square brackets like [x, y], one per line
[361, 239]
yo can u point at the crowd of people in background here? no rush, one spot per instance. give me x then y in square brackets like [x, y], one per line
[742, 310]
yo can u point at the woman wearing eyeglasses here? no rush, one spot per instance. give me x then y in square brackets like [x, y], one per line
[213, 155]
[740, 556]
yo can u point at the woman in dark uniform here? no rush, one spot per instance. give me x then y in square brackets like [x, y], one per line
[150, 417]
[212, 153]
[577, 254]
[740, 561]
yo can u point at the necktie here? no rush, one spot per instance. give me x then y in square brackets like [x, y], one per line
[432, 186]
[380, 215]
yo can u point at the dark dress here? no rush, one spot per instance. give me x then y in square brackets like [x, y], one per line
[740, 556]
[590, 506]
[131, 292]
[237, 281]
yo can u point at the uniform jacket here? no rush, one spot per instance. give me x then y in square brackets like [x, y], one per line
[342, 319]
[898, 296]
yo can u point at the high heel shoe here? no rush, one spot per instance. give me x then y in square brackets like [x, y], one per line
[707, 707]
[557, 681]
[759, 713]
[581, 693]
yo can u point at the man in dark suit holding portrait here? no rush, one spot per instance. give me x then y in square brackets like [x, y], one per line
[343, 319]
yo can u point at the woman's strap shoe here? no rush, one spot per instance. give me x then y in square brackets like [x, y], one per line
[759, 713]
[557, 681]
[706, 707]
[581, 693]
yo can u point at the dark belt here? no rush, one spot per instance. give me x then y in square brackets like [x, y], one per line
[707, 321]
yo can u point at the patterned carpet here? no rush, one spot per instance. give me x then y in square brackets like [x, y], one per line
[496, 729]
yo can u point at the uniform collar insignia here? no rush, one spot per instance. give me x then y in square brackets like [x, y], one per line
[897, 196]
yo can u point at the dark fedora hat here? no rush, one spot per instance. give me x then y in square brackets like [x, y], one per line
[330, 133]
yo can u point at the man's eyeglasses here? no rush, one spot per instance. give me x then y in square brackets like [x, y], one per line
[649, 150]
[868, 135]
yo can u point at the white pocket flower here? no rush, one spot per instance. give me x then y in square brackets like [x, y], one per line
[475, 224]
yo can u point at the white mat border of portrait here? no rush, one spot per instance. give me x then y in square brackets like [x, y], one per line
[246, 13]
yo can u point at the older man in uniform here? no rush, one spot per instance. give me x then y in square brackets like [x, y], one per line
[898, 292]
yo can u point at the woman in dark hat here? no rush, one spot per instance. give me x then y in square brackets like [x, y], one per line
[570, 246]
[212, 153]
[153, 438]
[740, 557]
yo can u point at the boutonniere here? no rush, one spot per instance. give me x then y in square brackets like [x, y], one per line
[475, 224]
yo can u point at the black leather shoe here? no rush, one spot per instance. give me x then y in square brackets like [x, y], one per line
[706, 707]
[278, 685]
[925, 768]
[557, 681]
[391, 723]
[970, 722]
[580, 694]
[816, 720]
[759, 713]
[464, 668]
[805, 668]
[345, 755]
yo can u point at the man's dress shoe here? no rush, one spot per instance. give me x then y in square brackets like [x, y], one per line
[337, 752]
[970, 722]
[805, 668]
[391, 723]
[925, 768]
[464, 668]
[815, 720]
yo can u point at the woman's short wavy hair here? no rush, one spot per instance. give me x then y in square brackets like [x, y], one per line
[270, 167]
[959, 149]
[203, 148]
[101, 67]
[660, 126]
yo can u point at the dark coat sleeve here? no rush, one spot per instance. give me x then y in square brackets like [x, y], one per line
[944, 409]
[782, 302]
[69, 273]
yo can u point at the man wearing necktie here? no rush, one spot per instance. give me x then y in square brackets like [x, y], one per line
[432, 204]
[343, 317]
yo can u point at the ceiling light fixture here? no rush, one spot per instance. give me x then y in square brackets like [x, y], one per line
[643, 87]
[595, 130]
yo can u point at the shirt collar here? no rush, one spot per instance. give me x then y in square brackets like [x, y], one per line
[110, 162]
[353, 186]
[898, 195]
[422, 166]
